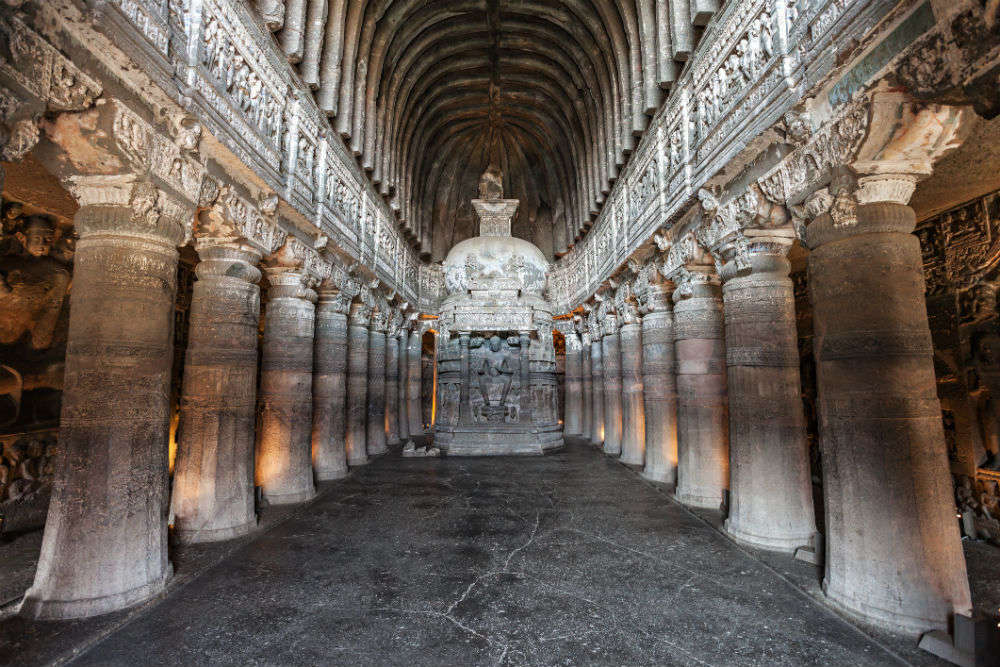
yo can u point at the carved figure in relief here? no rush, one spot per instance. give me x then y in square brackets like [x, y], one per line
[33, 286]
[496, 368]
[491, 183]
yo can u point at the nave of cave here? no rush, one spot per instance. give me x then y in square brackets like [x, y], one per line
[500, 332]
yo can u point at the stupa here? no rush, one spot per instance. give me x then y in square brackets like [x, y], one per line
[497, 388]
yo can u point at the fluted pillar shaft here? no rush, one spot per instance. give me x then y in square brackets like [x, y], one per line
[376, 441]
[413, 386]
[633, 404]
[213, 495]
[329, 426]
[770, 489]
[402, 419]
[573, 386]
[702, 411]
[587, 386]
[612, 364]
[284, 440]
[597, 395]
[894, 555]
[391, 389]
[659, 390]
[105, 542]
[357, 384]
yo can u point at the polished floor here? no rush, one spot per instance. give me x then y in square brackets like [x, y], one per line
[570, 559]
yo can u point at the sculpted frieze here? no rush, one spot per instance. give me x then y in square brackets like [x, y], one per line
[810, 165]
[35, 77]
[645, 190]
[745, 62]
[151, 24]
[39, 68]
[235, 67]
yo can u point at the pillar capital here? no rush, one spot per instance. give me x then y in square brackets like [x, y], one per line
[748, 234]
[128, 175]
[226, 218]
[652, 290]
[334, 296]
[360, 314]
[904, 140]
[691, 268]
[288, 283]
[380, 317]
[607, 316]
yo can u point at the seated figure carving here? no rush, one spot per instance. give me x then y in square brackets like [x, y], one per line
[495, 369]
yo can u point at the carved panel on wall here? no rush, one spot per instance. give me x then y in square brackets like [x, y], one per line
[36, 254]
[961, 252]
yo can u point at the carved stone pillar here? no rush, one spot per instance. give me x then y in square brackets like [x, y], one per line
[884, 457]
[572, 385]
[633, 450]
[329, 425]
[392, 383]
[525, 373]
[402, 358]
[413, 409]
[612, 364]
[376, 441]
[357, 384]
[702, 410]
[770, 489]
[105, 541]
[659, 385]
[284, 439]
[597, 381]
[213, 494]
[587, 382]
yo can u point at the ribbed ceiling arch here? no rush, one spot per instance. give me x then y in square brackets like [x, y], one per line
[427, 94]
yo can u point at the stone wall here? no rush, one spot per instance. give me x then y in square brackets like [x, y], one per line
[961, 255]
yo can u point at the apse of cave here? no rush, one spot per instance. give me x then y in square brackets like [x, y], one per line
[507, 332]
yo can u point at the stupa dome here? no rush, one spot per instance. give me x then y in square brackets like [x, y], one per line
[495, 263]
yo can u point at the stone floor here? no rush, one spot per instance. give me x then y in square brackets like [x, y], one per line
[569, 559]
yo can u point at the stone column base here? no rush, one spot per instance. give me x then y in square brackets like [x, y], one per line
[699, 501]
[329, 475]
[55, 610]
[768, 542]
[882, 618]
[660, 475]
[182, 536]
[290, 498]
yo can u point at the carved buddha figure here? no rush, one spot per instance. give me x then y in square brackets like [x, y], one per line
[496, 368]
[33, 286]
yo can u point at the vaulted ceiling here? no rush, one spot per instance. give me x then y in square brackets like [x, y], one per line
[428, 93]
